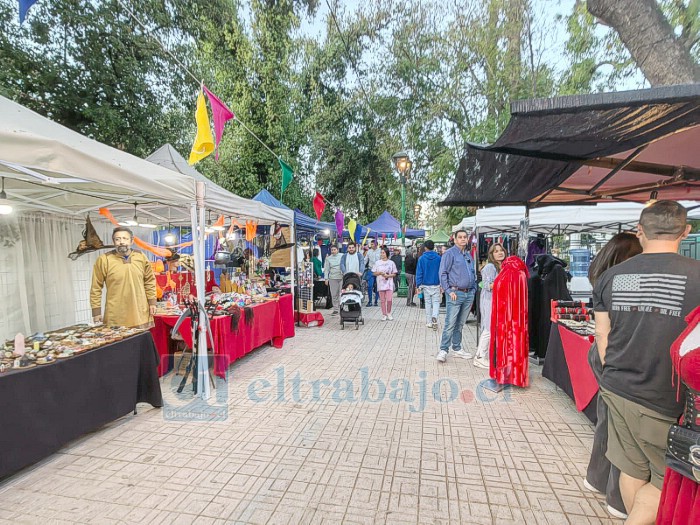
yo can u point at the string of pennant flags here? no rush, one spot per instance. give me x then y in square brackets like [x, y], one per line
[205, 143]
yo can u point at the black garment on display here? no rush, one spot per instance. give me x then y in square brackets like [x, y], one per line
[547, 285]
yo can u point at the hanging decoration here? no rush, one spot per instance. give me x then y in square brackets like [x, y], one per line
[340, 223]
[319, 205]
[90, 243]
[203, 141]
[155, 250]
[287, 174]
[251, 228]
[352, 227]
[366, 235]
[221, 114]
[24, 6]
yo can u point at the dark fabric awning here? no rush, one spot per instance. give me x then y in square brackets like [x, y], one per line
[588, 148]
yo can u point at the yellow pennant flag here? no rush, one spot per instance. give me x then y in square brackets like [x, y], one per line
[352, 226]
[366, 235]
[204, 141]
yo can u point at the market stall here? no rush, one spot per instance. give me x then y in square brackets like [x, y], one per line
[269, 322]
[567, 367]
[57, 397]
[52, 170]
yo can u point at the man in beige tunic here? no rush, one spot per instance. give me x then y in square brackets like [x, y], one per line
[131, 284]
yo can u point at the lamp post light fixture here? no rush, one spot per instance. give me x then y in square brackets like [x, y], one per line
[403, 165]
[416, 211]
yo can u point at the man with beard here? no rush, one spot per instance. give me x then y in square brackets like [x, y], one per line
[130, 282]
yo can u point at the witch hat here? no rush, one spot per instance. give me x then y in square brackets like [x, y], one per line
[90, 243]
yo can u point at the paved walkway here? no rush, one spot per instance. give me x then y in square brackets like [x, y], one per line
[338, 427]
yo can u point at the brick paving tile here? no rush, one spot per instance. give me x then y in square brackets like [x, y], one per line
[337, 427]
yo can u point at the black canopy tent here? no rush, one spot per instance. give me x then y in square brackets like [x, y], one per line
[588, 148]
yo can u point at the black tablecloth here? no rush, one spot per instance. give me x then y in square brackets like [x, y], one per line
[45, 407]
[556, 370]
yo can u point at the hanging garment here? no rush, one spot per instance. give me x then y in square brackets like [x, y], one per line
[549, 284]
[680, 498]
[509, 327]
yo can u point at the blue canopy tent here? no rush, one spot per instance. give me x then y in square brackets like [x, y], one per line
[306, 224]
[266, 197]
[387, 224]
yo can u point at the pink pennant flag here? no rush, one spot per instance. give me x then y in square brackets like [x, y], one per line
[221, 115]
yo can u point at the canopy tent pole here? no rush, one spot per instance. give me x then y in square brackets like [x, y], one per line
[294, 256]
[198, 225]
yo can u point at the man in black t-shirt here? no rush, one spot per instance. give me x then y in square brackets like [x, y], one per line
[640, 306]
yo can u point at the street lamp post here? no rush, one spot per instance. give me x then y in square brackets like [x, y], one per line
[403, 166]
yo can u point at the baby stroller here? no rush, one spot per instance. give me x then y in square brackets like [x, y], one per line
[351, 301]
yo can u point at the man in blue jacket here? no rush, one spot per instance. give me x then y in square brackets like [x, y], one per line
[458, 281]
[428, 282]
[352, 261]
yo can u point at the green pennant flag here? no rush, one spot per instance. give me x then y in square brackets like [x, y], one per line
[287, 174]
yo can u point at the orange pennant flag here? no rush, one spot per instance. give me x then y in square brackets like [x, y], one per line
[251, 228]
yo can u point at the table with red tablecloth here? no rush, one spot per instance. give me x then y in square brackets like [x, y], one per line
[273, 322]
[566, 365]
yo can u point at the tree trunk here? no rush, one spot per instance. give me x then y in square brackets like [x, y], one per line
[649, 38]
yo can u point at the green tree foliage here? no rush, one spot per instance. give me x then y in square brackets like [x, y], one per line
[85, 65]
[422, 76]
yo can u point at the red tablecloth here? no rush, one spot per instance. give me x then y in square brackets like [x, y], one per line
[309, 318]
[582, 379]
[273, 322]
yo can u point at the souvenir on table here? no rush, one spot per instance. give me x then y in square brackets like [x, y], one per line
[47, 348]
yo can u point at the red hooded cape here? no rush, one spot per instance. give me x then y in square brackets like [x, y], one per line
[509, 327]
[680, 498]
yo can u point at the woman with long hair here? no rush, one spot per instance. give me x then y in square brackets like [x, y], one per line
[385, 270]
[496, 256]
[601, 476]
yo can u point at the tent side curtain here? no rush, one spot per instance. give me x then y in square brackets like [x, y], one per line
[549, 140]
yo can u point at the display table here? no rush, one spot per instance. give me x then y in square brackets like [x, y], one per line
[566, 365]
[273, 322]
[45, 407]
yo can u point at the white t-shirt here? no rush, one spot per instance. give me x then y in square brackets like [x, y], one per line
[352, 263]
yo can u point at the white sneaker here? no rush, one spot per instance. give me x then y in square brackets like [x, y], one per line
[614, 512]
[441, 356]
[481, 362]
[383, 317]
[588, 486]
[463, 354]
[390, 317]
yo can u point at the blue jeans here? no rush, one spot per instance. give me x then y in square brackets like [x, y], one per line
[455, 318]
[431, 294]
[371, 278]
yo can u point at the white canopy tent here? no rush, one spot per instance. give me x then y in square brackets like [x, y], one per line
[50, 168]
[554, 220]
